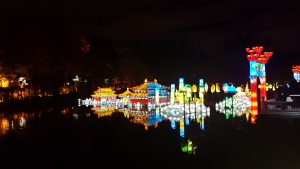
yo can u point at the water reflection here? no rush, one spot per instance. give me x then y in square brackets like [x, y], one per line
[14, 122]
[180, 121]
[236, 106]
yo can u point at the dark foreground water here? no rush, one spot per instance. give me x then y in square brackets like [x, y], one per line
[72, 137]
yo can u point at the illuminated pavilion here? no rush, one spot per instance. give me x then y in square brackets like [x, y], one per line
[105, 96]
[150, 93]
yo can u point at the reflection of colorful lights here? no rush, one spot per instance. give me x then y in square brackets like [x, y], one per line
[253, 118]
[173, 124]
[187, 121]
[202, 125]
[188, 148]
[235, 106]
[176, 111]
[22, 122]
[181, 127]
[4, 128]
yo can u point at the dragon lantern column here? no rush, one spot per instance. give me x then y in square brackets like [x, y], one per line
[252, 58]
[262, 60]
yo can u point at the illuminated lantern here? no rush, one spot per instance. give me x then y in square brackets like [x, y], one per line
[157, 95]
[257, 62]
[247, 88]
[217, 88]
[206, 87]
[239, 89]
[181, 83]
[225, 88]
[172, 99]
[188, 90]
[296, 72]
[270, 86]
[201, 91]
[213, 88]
[231, 89]
[194, 88]
[4, 83]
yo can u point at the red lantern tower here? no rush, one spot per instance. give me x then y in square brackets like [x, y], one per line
[263, 60]
[257, 62]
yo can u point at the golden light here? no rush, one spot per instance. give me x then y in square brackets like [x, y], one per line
[254, 104]
[206, 87]
[218, 88]
[4, 83]
[194, 88]
[270, 86]
[213, 88]
[4, 127]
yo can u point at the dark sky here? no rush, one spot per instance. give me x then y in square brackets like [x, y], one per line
[166, 38]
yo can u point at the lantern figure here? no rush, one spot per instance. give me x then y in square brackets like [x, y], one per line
[296, 72]
[257, 62]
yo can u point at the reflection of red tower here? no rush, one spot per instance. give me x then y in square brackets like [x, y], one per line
[257, 62]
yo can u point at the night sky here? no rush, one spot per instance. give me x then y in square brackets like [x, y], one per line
[162, 39]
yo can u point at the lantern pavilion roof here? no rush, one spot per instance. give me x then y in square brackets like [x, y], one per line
[141, 88]
[148, 85]
[104, 92]
[126, 93]
[142, 94]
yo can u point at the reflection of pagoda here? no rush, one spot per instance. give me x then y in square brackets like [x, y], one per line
[102, 112]
[145, 117]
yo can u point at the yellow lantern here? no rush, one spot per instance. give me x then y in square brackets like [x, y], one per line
[217, 88]
[194, 88]
[206, 87]
[213, 88]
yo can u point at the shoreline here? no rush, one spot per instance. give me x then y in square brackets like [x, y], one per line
[40, 102]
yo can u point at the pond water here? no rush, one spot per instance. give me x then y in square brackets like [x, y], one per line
[84, 137]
